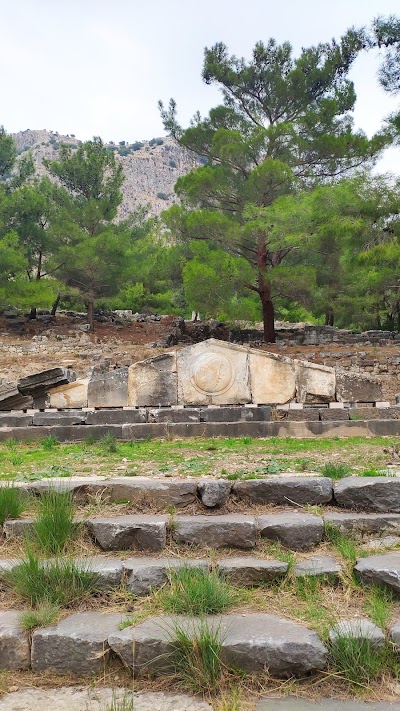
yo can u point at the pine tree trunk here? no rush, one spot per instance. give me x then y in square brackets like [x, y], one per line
[90, 313]
[268, 316]
[55, 304]
[32, 313]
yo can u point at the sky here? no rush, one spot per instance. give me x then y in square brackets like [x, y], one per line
[98, 67]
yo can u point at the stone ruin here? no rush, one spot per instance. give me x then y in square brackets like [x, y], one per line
[209, 373]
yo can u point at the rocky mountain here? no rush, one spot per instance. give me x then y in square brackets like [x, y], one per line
[151, 167]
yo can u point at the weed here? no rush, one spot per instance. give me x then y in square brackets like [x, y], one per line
[193, 591]
[246, 441]
[229, 701]
[344, 545]
[55, 525]
[304, 465]
[197, 657]
[307, 587]
[16, 459]
[276, 550]
[378, 604]
[90, 440]
[49, 442]
[120, 703]
[335, 471]
[108, 443]
[11, 443]
[358, 661]
[57, 582]
[377, 472]
[12, 502]
[46, 613]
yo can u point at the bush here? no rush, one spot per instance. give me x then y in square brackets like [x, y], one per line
[12, 502]
[54, 582]
[54, 525]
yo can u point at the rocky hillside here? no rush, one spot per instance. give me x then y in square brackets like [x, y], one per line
[151, 167]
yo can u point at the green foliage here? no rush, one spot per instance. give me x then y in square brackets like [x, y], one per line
[335, 471]
[193, 591]
[359, 661]
[59, 582]
[108, 443]
[8, 154]
[54, 525]
[343, 544]
[120, 703]
[12, 502]
[49, 442]
[378, 605]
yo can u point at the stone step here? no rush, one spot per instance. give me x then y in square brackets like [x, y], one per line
[369, 493]
[178, 430]
[82, 642]
[249, 642]
[383, 569]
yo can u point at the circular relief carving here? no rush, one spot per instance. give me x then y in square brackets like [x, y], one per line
[212, 374]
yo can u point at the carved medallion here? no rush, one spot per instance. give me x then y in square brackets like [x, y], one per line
[212, 374]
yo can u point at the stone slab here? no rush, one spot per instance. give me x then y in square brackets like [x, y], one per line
[213, 373]
[249, 570]
[360, 523]
[284, 490]
[359, 629]
[12, 399]
[108, 570]
[78, 644]
[15, 420]
[369, 493]
[153, 382]
[314, 382]
[382, 569]
[18, 527]
[352, 387]
[146, 574]
[249, 642]
[148, 490]
[70, 396]
[272, 378]
[47, 419]
[109, 389]
[135, 532]
[296, 531]
[233, 530]
[323, 566]
[45, 380]
[14, 643]
[169, 415]
[111, 416]
[235, 414]
[334, 415]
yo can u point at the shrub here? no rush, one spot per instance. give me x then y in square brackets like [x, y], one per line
[194, 591]
[12, 502]
[54, 582]
[55, 524]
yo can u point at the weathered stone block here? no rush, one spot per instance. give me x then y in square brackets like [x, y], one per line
[235, 414]
[358, 629]
[59, 419]
[167, 415]
[109, 389]
[160, 492]
[78, 644]
[108, 571]
[353, 387]
[383, 569]
[249, 642]
[18, 527]
[294, 530]
[375, 493]
[235, 530]
[12, 399]
[146, 574]
[144, 533]
[70, 396]
[315, 383]
[250, 570]
[285, 490]
[153, 382]
[323, 566]
[214, 493]
[334, 415]
[272, 378]
[14, 643]
[45, 380]
[15, 420]
[213, 373]
[360, 523]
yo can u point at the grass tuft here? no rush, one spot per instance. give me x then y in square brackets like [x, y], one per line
[46, 613]
[49, 442]
[53, 582]
[378, 605]
[193, 591]
[120, 703]
[197, 658]
[108, 443]
[343, 544]
[12, 502]
[358, 661]
[335, 471]
[54, 525]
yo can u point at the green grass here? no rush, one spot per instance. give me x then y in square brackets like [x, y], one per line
[358, 662]
[197, 658]
[343, 544]
[46, 613]
[378, 605]
[119, 703]
[53, 582]
[12, 502]
[54, 526]
[49, 442]
[109, 443]
[335, 471]
[193, 591]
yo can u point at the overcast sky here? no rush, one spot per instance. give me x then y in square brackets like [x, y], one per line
[98, 67]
